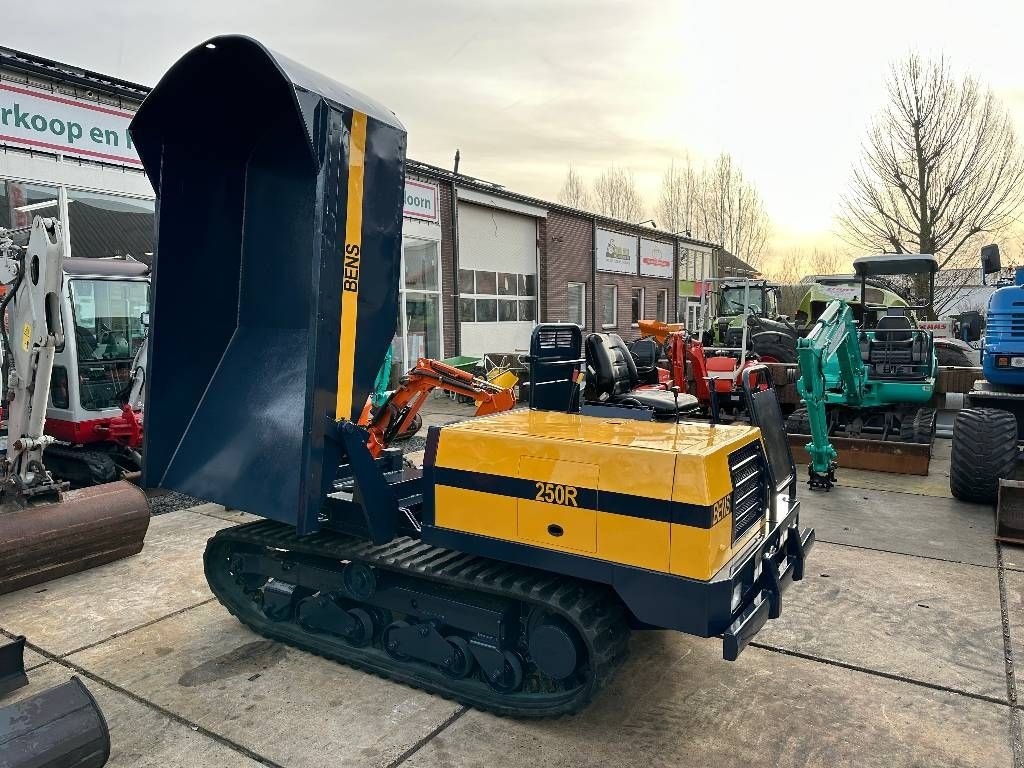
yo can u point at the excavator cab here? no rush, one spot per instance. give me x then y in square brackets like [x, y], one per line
[895, 349]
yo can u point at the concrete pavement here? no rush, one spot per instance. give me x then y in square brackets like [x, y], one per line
[896, 650]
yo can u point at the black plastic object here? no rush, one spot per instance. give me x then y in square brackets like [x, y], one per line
[12, 665]
[275, 282]
[62, 727]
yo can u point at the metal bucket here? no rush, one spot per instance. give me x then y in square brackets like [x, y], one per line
[281, 222]
[1010, 512]
[62, 727]
[86, 528]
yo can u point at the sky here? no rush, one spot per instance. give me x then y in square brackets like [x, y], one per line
[524, 88]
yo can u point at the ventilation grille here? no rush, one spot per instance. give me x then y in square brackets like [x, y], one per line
[749, 487]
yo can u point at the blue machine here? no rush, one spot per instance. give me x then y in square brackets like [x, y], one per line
[1002, 356]
[987, 432]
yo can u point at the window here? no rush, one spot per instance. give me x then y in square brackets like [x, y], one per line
[486, 310]
[609, 298]
[489, 297]
[59, 387]
[108, 333]
[661, 306]
[486, 282]
[418, 333]
[508, 284]
[576, 301]
[507, 310]
[16, 196]
[637, 306]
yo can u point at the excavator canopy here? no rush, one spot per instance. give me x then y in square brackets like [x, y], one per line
[275, 281]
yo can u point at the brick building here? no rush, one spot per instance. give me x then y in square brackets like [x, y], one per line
[481, 265]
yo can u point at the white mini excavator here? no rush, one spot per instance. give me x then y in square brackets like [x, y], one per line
[46, 530]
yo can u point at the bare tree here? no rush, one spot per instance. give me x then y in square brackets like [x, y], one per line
[617, 197]
[716, 203]
[732, 213]
[680, 199]
[941, 171]
[796, 263]
[574, 192]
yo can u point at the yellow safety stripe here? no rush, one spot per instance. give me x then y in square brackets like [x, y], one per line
[350, 266]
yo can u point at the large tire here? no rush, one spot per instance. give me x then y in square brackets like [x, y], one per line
[798, 423]
[776, 347]
[951, 355]
[984, 450]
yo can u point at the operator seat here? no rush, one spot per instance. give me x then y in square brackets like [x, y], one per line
[897, 349]
[612, 377]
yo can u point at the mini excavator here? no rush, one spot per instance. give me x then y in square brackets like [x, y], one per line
[46, 530]
[508, 572]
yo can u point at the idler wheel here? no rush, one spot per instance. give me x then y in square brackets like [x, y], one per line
[555, 648]
[360, 581]
[510, 677]
[461, 659]
[362, 634]
[391, 643]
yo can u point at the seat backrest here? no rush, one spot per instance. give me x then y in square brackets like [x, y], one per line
[894, 328]
[645, 353]
[555, 353]
[614, 372]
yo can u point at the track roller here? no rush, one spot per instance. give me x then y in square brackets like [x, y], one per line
[498, 637]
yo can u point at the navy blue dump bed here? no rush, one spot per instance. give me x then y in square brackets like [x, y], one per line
[275, 285]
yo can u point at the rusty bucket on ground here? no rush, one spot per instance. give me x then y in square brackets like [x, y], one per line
[86, 528]
[1010, 512]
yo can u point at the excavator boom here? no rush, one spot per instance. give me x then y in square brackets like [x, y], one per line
[834, 335]
[404, 403]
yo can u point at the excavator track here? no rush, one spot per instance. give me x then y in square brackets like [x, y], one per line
[266, 576]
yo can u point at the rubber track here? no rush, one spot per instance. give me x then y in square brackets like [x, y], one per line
[595, 611]
[984, 450]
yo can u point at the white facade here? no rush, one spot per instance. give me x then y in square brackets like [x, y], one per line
[65, 152]
[498, 286]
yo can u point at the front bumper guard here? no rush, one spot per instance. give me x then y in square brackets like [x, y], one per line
[779, 569]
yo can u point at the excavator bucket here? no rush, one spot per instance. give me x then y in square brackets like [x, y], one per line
[275, 286]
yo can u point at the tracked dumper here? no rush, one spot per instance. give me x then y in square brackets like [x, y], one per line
[508, 572]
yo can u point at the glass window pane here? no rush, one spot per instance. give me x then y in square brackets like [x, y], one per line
[508, 285]
[103, 226]
[527, 310]
[422, 311]
[507, 310]
[420, 264]
[609, 297]
[576, 295]
[398, 366]
[662, 306]
[531, 286]
[108, 333]
[486, 310]
[467, 310]
[486, 283]
[466, 281]
[15, 196]
[523, 290]
[637, 305]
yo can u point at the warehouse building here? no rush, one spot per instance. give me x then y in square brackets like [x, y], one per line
[481, 265]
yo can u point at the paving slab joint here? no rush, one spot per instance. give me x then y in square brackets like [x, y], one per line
[1016, 738]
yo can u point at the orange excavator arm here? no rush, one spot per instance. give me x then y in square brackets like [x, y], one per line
[405, 402]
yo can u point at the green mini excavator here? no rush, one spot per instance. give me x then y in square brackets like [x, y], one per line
[866, 383]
